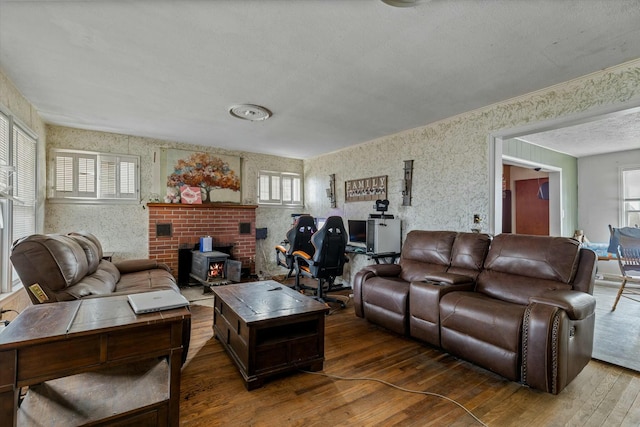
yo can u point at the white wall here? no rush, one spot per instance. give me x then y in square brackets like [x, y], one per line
[598, 190]
[599, 197]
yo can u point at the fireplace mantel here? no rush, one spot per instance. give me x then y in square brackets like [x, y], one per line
[203, 205]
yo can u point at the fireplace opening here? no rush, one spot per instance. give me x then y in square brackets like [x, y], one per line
[209, 268]
[216, 271]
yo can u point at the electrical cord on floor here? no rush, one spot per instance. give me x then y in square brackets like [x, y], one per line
[9, 310]
[427, 393]
[5, 323]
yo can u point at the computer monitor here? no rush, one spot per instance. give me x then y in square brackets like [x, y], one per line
[357, 232]
[320, 222]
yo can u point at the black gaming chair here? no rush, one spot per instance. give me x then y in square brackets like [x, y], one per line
[327, 262]
[299, 239]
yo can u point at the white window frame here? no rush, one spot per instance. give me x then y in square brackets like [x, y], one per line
[93, 177]
[280, 189]
[18, 191]
[624, 200]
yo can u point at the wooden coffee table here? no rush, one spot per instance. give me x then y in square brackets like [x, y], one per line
[268, 329]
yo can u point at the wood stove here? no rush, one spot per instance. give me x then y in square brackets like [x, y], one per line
[209, 268]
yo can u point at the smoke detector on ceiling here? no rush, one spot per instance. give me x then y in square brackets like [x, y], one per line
[251, 112]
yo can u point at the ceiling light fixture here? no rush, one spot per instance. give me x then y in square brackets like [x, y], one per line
[251, 112]
[401, 3]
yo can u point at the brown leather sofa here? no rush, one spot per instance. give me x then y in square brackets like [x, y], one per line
[69, 267]
[518, 305]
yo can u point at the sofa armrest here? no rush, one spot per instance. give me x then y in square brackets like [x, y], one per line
[555, 348]
[367, 272]
[578, 305]
[133, 265]
[384, 270]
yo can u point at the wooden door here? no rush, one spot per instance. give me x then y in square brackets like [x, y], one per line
[532, 212]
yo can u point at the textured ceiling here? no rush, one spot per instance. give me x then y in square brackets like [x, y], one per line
[618, 133]
[334, 73]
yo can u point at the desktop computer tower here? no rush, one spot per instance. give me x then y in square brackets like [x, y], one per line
[383, 236]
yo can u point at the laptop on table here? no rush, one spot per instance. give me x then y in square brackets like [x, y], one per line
[149, 302]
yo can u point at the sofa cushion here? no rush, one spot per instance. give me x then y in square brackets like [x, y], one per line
[386, 302]
[98, 283]
[518, 267]
[92, 238]
[53, 261]
[540, 257]
[90, 250]
[148, 280]
[111, 269]
[425, 252]
[515, 289]
[483, 330]
[416, 271]
[468, 253]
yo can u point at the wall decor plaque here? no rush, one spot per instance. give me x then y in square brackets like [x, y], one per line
[366, 189]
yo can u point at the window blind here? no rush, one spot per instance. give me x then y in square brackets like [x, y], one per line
[81, 176]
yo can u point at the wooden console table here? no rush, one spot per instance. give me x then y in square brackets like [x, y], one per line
[268, 329]
[92, 361]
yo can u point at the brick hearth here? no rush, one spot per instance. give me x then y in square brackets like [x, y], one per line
[190, 222]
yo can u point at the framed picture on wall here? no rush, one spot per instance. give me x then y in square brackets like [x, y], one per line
[217, 176]
[366, 189]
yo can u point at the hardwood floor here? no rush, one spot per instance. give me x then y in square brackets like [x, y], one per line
[213, 394]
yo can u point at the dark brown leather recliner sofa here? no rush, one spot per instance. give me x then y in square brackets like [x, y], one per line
[518, 305]
[69, 267]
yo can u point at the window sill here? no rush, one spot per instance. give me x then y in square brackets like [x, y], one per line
[7, 295]
[93, 201]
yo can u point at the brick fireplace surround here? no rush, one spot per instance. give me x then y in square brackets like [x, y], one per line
[222, 221]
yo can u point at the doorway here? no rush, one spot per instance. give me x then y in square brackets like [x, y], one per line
[537, 207]
[606, 340]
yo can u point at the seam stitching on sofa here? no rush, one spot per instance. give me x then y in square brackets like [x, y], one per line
[554, 351]
[525, 342]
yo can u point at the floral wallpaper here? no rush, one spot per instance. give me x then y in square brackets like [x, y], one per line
[451, 157]
[450, 171]
[123, 229]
